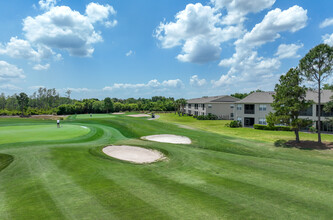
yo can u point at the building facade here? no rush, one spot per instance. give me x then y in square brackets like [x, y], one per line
[254, 108]
[221, 106]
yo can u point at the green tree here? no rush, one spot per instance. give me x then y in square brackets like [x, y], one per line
[108, 105]
[316, 66]
[23, 101]
[289, 101]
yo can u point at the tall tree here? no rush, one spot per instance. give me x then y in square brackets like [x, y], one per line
[23, 101]
[108, 105]
[289, 101]
[316, 66]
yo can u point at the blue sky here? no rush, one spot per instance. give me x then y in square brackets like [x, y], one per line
[131, 48]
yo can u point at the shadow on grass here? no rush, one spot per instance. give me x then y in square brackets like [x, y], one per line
[304, 145]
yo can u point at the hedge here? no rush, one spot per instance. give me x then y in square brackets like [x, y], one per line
[272, 128]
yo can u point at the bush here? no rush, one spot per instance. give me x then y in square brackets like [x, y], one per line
[272, 128]
[234, 124]
[207, 117]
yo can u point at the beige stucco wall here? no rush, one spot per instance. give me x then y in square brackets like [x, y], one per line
[219, 109]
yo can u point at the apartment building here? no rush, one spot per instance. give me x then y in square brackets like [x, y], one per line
[221, 106]
[254, 108]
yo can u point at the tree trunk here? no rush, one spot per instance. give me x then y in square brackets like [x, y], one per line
[297, 135]
[319, 112]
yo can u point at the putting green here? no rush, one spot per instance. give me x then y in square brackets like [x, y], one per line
[87, 116]
[14, 134]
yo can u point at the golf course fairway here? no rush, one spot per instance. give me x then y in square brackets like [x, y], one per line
[217, 176]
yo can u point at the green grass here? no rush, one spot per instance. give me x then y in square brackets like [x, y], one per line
[218, 126]
[219, 176]
[87, 116]
[27, 133]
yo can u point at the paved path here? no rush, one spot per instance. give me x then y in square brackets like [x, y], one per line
[156, 117]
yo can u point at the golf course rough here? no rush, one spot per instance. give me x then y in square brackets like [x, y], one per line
[168, 138]
[218, 177]
[133, 154]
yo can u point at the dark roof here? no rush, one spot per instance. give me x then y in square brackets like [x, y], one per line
[267, 97]
[213, 99]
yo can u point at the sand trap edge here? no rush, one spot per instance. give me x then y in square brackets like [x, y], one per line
[186, 140]
[159, 156]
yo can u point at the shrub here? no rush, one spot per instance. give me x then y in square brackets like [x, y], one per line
[207, 117]
[272, 128]
[234, 124]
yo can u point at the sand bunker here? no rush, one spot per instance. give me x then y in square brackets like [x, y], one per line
[139, 115]
[168, 138]
[118, 113]
[133, 154]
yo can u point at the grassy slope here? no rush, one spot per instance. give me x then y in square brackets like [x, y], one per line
[248, 133]
[216, 177]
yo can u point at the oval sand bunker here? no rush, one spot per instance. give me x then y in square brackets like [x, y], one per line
[168, 138]
[133, 154]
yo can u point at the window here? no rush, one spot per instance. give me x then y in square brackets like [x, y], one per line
[231, 115]
[189, 106]
[203, 113]
[262, 107]
[209, 106]
[196, 106]
[239, 119]
[262, 121]
[239, 107]
[203, 106]
[249, 109]
[189, 112]
[232, 106]
[196, 113]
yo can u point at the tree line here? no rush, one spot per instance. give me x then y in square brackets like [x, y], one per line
[48, 101]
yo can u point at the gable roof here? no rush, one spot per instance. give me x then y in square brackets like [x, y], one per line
[213, 99]
[267, 97]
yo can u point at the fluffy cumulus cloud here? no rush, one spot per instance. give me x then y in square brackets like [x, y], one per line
[238, 9]
[59, 28]
[195, 81]
[199, 31]
[129, 53]
[276, 21]
[18, 48]
[152, 84]
[100, 13]
[288, 51]
[246, 64]
[47, 4]
[327, 22]
[328, 39]
[9, 72]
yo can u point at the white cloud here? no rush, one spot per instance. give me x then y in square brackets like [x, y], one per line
[328, 39]
[245, 64]
[275, 21]
[152, 84]
[9, 72]
[41, 67]
[288, 51]
[195, 81]
[10, 87]
[327, 22]
[198, 29]
[237, 9]
[129, 53]
[22, 49]
[100, 13]
[47, 4]
[66, 29]
[78, 90]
